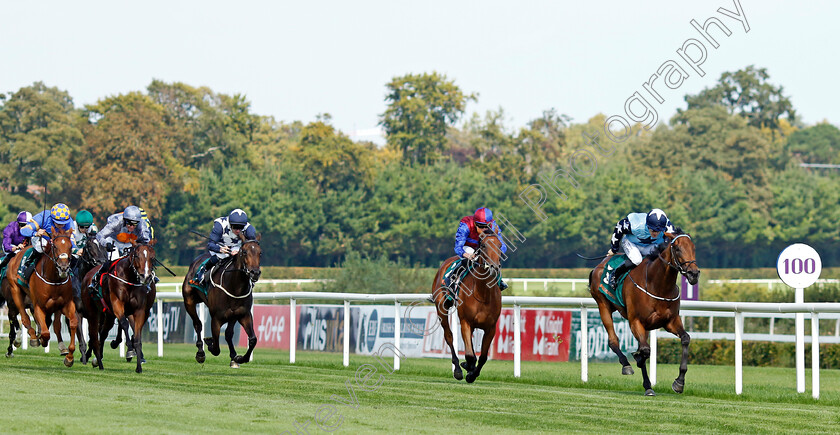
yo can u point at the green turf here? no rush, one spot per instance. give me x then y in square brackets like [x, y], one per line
[176, 395]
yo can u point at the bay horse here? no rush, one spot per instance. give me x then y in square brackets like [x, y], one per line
[50, 291]
[479, 303]
[229, 299]
[651, 301]
[128, 291]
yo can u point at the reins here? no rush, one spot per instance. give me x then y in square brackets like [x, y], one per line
[678, 266]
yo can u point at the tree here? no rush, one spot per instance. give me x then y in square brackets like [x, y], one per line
[747, 93]
[128, 157]
[331, 159]
[817, 144]
[420, 108]
[38, 133]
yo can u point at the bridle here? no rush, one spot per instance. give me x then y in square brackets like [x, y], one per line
[679, 266]
[52, 258]
[131, 257]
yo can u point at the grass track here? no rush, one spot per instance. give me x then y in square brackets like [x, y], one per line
[177, 395]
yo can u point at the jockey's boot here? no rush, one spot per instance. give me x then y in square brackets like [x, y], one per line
[620, 270]
[502, 285]
[30, 265]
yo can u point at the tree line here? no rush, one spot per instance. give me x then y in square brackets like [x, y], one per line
[726, 168]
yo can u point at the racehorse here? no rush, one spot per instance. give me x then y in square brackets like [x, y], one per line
[49, 290]
[128, 290]
[229, 299]
[479, 303]
[652, 301]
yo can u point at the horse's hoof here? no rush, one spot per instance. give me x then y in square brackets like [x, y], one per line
[458, 375]
[17, 343]
[139, 369]
[470, 378]
[678, 386]
[34, 342]
[62, 349]
[649, 392]
[199, 357]
[127, 359]
[9, 355]
[114, 344]
[130, 354]
[94, 362]
[627, 370]
[68, 362]
[234, 365]
[239, 359]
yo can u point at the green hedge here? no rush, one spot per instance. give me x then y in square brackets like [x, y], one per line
[756, 353]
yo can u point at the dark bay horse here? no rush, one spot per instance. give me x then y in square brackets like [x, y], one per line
[652, 301]
[128, 290]
[49, 290]
[479, 303]
[229, 299]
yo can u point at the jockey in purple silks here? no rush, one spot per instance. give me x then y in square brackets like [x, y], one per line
[13, 241]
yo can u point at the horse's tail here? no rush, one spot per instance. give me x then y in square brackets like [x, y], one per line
[590, 276]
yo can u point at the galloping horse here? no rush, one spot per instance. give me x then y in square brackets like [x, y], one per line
[128, 290]
[229, 299]
[49, 290]
[479, 303]
[652, 301]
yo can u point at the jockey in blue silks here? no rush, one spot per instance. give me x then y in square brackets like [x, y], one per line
[225, 239]
[467, 241]
[39, 229]
[637, 235]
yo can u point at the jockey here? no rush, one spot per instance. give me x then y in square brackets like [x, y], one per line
[13, 241]
[637, 235]
[225, 240]
[39, 228]
[84, 229]
[124, 230]
[467, 240]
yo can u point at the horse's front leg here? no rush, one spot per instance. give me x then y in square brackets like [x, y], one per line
[447, 336]
[229, 339]
[41, 320]
[139, 319]
[643, 354]
[80, 335]
[247, 323]
[14, 326]
[469, 352]
[18, 296]
[62, 348]
[70, 313]
[486, 342]
[190, 305]
[213, 342]
[675, 327]
[607, 320]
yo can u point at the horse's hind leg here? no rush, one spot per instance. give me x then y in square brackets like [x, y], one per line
[247, 323]
[642, 354]
[14, 326]
[485, 351]
[675, 327]
[190, 306]
[84, 355]
[607, 320]
[447, 335]
[41, 320]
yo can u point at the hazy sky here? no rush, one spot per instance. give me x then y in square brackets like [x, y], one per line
[294, 60]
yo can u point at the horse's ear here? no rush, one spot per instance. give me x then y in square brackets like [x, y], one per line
[259, 236]
[152, 242]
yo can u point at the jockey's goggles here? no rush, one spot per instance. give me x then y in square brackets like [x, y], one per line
[84, 227]
[482, 225]
[21, 224]
[237, 227]
[129, 223]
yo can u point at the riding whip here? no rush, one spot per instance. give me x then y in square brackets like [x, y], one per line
[164, 266]
[590, 258]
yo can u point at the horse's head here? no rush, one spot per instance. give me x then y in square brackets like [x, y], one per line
[490, 249]
[142, 260]
[248, 259]
[59, 249]
[680, 255]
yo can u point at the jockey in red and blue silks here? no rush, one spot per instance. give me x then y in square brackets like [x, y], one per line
[467, 241]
